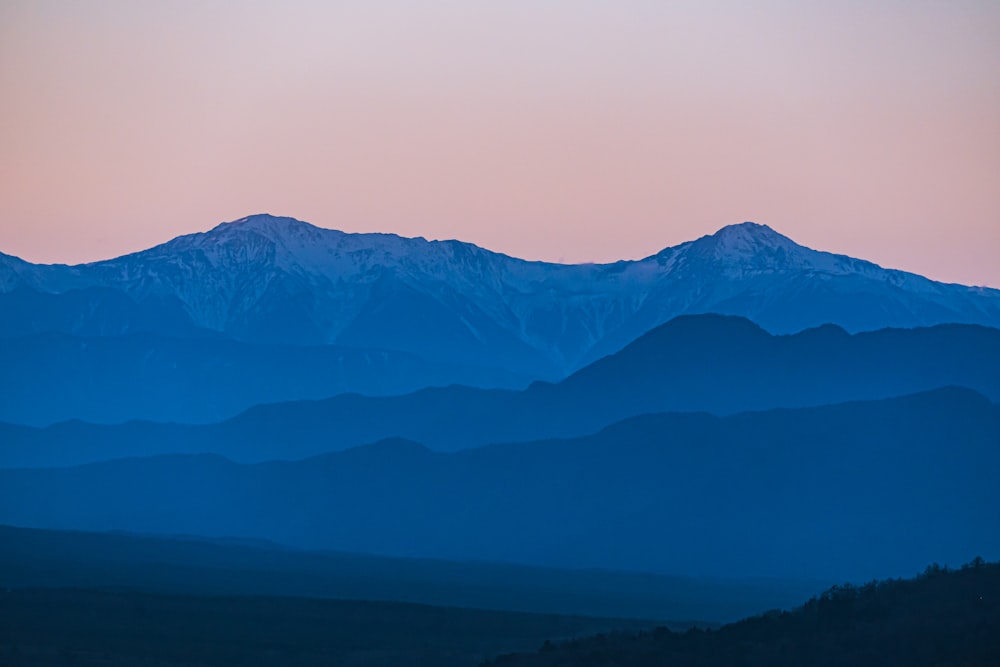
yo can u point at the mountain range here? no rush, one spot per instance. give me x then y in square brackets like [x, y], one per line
[266, 279]
[850, 491]
[696, 363]
[270, 408]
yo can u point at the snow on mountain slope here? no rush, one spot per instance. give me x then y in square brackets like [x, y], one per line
[272, 279]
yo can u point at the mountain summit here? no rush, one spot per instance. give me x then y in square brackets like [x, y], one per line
[273, 279]
[749, 236]
[266, 223]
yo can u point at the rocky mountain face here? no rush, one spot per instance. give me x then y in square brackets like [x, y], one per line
[266, 279]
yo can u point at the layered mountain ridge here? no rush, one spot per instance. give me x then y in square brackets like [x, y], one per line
[270, 279]
[695, 363]
[854, 490]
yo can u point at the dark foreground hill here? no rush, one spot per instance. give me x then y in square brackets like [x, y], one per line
[115, 628]
[940, 618]
[705, 363]
[849, 491]
[190, 566]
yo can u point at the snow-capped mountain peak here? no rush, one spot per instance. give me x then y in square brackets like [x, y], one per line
[746, 239]
[277, 279]
[744, 249]
[316, 245]
[279, 229]
[750, 234]
[265, 222]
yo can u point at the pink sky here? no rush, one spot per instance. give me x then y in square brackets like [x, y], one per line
[560, 130]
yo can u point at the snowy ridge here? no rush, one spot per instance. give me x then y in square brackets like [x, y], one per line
[278, 279]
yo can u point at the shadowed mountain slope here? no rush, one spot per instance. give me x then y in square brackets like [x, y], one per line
[848, 491]
[707, 363]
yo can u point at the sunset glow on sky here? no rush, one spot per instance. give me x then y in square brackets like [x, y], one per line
[565, 131]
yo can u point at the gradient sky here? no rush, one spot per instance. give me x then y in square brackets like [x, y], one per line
[568, 130]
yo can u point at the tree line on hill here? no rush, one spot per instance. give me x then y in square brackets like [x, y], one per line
[942, 618]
